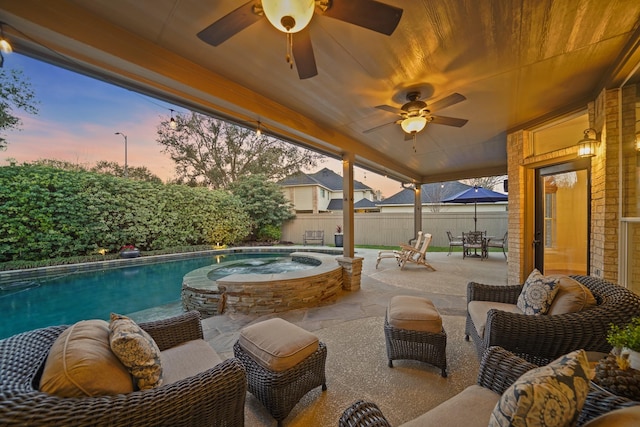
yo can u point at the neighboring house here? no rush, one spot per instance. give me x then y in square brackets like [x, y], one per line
[322, 192]
[432, 196]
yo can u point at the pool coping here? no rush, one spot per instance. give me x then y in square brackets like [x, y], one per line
[52, 271]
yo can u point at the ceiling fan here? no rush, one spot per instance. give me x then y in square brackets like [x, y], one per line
[293, 16]
[416, 114]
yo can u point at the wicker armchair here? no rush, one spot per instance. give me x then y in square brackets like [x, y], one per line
[541, 339]
[212, 398]
[498, 370]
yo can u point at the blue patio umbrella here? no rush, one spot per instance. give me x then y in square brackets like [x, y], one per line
[476, 195]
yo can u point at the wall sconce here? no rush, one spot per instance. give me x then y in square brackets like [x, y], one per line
[637, 141]
[587, 145]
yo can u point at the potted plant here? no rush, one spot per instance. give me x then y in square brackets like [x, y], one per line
[129, 251]
[338, 236]
[626, 343]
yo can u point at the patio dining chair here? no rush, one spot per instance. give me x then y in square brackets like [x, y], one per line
[498, 243]
[453, 242]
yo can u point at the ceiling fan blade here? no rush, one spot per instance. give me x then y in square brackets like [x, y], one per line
[408, 136]
[369, 14]
[303, 54]
[230, 24]
[445, 102]
[390, 109]
[380, 126]
[448, 121]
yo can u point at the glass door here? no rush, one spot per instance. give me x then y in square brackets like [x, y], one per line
[562, 218]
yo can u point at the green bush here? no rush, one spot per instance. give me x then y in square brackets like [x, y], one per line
[54, 213]
[269, 233]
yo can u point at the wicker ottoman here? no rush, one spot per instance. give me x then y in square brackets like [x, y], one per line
[283, 363]
[413, 330]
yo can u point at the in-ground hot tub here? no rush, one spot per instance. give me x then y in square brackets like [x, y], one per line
[256, 293]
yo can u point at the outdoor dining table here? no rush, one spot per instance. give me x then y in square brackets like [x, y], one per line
[485, 248]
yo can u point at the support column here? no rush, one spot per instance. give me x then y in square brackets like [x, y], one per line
[351, 272]
[347, 204]
[417, 209]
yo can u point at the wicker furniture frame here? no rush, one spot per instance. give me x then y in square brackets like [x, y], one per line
[212, 398]
[416, 345]
[498, 370]
[541, 339]
[279, 392]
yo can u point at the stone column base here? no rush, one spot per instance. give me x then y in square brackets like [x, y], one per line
[351, 272]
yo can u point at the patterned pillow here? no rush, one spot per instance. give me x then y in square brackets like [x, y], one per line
[537, 293]
[551, 395]
[136, 350]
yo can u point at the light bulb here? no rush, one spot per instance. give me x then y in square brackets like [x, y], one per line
[413, 124]
[289, 16]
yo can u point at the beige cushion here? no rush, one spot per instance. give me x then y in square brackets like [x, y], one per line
[537, 293]
[186, 360]
[136, 350]
[478, 312]
[414, 314]
[81, 363]
[572, 296]
[551, 395]
[469, 408]
[625, 417]
[277, 344]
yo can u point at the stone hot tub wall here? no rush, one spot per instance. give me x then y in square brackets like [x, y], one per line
[265, 293]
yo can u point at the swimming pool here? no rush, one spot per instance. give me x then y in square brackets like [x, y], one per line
[94, 295]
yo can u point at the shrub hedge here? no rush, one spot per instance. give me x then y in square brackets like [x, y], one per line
[54, 213]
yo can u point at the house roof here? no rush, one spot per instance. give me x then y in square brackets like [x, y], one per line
[324, 177]
[336, 204]
[430, 193]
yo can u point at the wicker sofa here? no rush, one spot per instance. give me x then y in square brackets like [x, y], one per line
[541, 339]
[472, 407]
[214, 397]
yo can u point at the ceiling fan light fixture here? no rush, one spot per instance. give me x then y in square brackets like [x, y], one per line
[413, 124]
[5, 46]
[289, 16]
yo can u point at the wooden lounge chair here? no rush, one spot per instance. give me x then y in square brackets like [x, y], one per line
[397, 254]
[417, 256]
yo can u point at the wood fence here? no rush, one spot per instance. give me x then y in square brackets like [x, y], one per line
[389, 229]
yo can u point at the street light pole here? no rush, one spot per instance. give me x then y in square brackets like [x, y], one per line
[126, 169]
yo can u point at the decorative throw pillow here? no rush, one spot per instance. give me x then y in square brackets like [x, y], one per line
[551, 395]
[136, 350]
[81, 363]
[572, 297]
[537, 293]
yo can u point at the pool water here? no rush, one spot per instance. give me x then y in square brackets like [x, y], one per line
[275, 265]
[94, 295]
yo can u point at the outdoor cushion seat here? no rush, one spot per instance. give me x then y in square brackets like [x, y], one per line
[543, 338]
[413, 330]
[197, 390]
[499, 370]
[283, 363]
[276, 344]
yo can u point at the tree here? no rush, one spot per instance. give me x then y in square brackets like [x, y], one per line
[265, 203]
[140, 173]
[488, 182]
[15, 93]
[214, 153]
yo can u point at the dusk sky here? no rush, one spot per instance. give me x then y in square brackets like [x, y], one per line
[78, 117]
